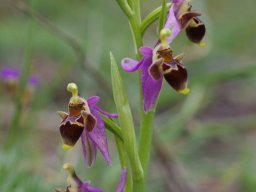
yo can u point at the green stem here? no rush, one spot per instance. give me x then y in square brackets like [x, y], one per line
[123, 158]
[162, 16]
[146, 119]
[146, 126]
[135, 23]
[123, 4]
[151, 17]
[146, 132]
[15, 123]
[116, 130]
[113, 127]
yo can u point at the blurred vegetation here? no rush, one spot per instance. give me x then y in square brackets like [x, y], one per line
[203, 142]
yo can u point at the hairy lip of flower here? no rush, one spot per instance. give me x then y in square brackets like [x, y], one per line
[75, 109]
[166, 54]
[71, 129]
[170, 68]
[84, 121]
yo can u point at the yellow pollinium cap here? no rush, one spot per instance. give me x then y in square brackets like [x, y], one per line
[73, 89]
[185, 91]
[202, 44]
[66, 166]
[66, 147]
[165, 33]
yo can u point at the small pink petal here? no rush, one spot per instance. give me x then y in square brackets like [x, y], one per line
[146, 51]
[123, 181]
[130, 65]
[87, 144]
[110, 115]
[150, 87]
[98, 136]
[93, 100]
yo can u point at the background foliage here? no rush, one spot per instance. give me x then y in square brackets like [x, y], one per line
[203, 142]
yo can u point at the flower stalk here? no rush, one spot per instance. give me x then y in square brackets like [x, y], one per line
[146, 124]
[15, 122]
[151, 17]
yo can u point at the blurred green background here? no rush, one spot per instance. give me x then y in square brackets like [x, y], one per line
[203, 142]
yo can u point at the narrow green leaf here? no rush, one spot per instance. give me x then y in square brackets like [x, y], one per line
[125, 120]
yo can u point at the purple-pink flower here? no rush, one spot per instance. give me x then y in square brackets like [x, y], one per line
[12, 75]
[84, 120]
[76, 185]
[150, 87]
[158, 62]
[181, 16]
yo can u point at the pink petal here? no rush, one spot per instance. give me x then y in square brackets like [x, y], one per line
[130, 65]
[93, 100]
[86, 187]
[98, 136]
[150, 87]
[110, 115]
[123, 181]
[146, 51]
[86, 144]
[173, 23]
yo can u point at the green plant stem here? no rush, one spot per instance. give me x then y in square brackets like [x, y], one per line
[151, 17]
[125, 8]
[15, 122]
[123, 157]
[146, 126]
[146, 133]
[162, 16]
[146, 119]
[130, 2]
[124, 163]
[135, 24]
[113, 127]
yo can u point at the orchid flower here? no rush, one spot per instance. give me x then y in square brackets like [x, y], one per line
[84, 120]
[76, 185]
[11, 77]
[181, 16]
[158, 62]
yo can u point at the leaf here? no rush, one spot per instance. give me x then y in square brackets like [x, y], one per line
[125, 119]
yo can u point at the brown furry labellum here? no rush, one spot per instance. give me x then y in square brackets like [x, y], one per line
[74, 122]
[170, 68]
